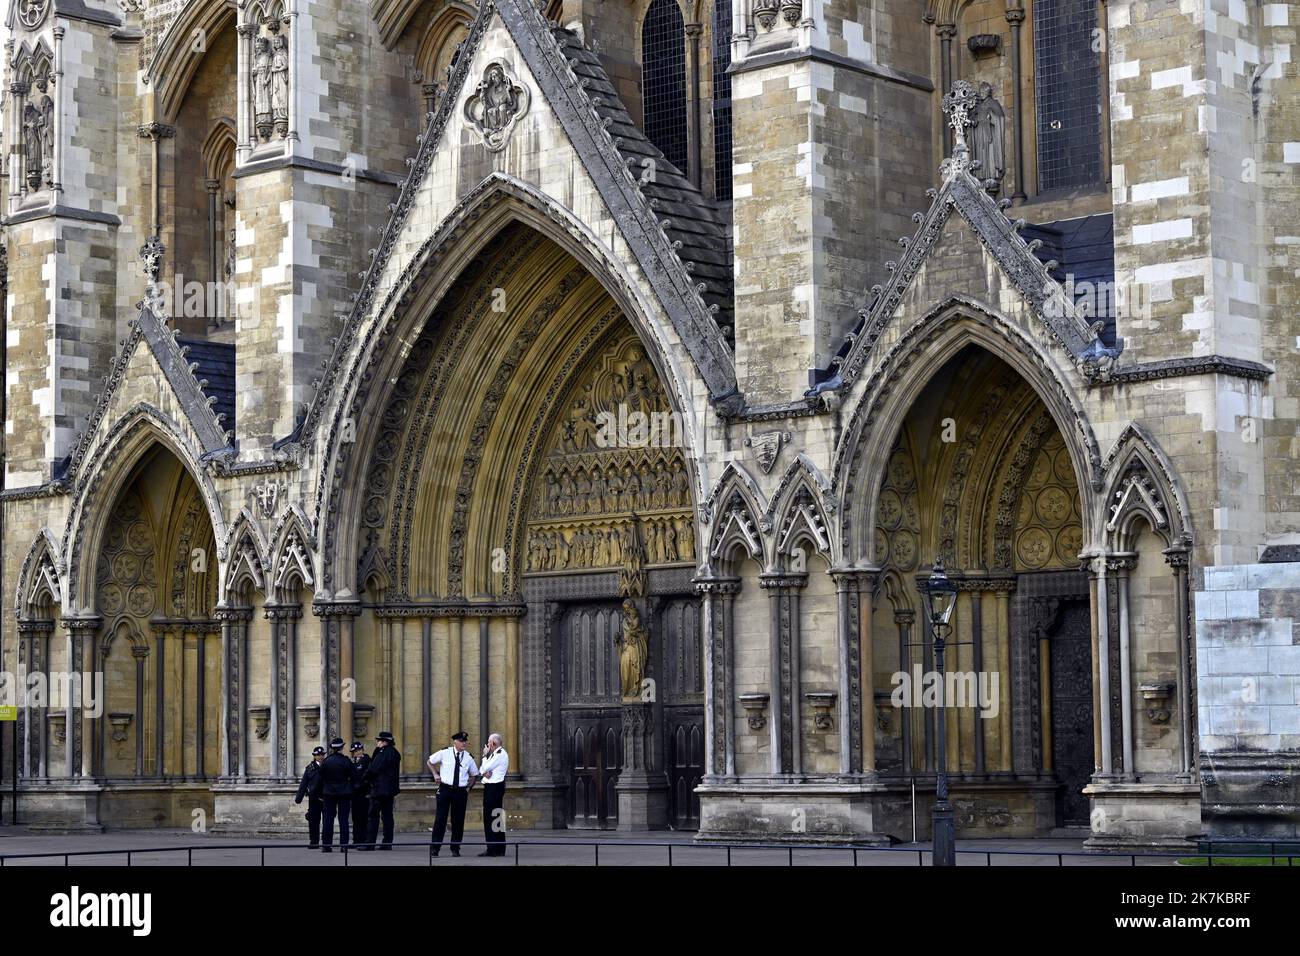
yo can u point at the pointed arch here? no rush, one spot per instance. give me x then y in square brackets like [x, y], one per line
[106, 474]
[176, 58]
[248, 560]
[1141, 484]
[219, 149]
[293, 566]
[738, 530]
[40, 578]
[899, 377]
[369, 365]
[799, 510]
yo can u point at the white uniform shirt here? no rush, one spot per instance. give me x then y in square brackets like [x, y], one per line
[445, 759]
[496, 766]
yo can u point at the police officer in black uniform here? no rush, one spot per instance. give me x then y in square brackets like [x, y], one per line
[338, 777]
[383, 775]
[360, 795]
[310, 787]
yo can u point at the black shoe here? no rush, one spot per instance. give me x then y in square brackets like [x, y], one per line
[455, 853]
[326, 849]
[386, 846]
[435, 852]
[313, 846]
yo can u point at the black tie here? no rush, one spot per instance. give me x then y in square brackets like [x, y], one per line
[455, 781]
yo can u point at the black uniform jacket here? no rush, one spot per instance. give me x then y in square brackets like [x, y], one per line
[383, 772]
[311, 783]
[338, 776]
[362, 764]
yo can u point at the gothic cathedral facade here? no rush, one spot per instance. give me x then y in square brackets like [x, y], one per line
[613, 374]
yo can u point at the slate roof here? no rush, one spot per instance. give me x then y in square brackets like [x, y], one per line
[216, 364]
[1083, 248]
[695, 222]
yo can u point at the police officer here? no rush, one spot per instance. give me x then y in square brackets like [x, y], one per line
[337, 778]
[454, 771]
[496, 764]
[360, 798]
[382, 775]
[310, 787]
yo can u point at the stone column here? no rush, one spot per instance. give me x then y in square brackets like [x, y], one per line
[283, 620]
[693, 33]
[783, 593]
[1101, 664]
[455, 627]
[1121, 566]
[946, 32]
[78, 728]
[856, 668]
[1177, 557]
[904, 621]
[234, 691]
[336, 632]
[1003, 597]
[32, 737]
[513, 732]
[1016, 19]
[718, 596]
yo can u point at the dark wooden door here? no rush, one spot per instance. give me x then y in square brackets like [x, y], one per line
[592, 720]
[683, 698]
[1072, 744]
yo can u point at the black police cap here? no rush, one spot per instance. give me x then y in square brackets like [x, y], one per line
[460, 735]
[317, 751]
[357, 745]
[336, 743]
[385, 735]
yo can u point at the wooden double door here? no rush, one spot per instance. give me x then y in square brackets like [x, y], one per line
[591, 712]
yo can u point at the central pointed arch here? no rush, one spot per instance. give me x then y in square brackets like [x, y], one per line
[501, 207]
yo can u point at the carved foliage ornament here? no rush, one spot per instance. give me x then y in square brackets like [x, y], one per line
[496, 105]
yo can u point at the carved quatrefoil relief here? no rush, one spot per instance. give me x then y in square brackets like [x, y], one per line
[496, 106]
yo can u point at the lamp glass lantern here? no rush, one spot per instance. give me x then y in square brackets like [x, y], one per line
[942, 594]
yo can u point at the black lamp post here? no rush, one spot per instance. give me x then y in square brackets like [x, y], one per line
[942, 594]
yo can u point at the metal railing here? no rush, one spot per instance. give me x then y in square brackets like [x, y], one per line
[725, 851]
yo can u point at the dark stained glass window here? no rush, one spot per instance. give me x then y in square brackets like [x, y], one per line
[1067, 78]
[663, 79]
[722, 100]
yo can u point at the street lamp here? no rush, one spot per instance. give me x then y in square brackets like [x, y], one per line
[942, 594]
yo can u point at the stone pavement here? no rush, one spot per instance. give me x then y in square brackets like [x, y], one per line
[536, 848]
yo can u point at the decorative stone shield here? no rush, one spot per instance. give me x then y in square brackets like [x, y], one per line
[767, 446]
[496, 106]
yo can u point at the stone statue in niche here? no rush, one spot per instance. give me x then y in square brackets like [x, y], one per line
[262, 88]
[496, 105]
[989, 121]
[33, 126]
[280, 84]
[47, 136]
[634, 654]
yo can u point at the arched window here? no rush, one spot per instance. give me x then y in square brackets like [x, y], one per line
[663, 79]
[721, 100]
[1067, 76]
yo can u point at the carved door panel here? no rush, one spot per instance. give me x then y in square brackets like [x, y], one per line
[590, 711]
[685, 770]
[1072, 744]
[683, 695]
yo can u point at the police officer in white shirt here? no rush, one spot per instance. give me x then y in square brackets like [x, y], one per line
[455, 772]
[496, 764]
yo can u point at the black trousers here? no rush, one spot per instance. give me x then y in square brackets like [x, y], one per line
[360, 819]
[380, 808]
[336, 807]
[494, 817]
[313, 819]
[451, 800]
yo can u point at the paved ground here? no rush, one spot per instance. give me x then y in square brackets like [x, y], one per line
[536, 848]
